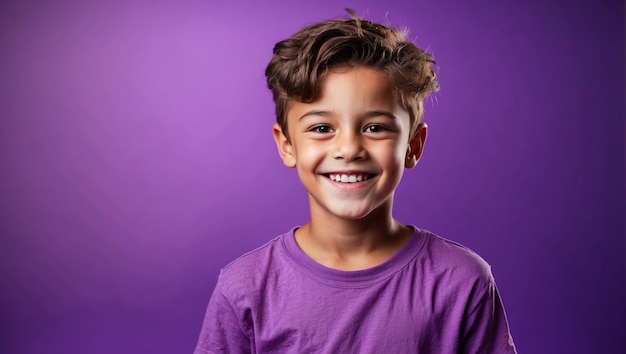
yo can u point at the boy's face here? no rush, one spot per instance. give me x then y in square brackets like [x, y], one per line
[351, 145]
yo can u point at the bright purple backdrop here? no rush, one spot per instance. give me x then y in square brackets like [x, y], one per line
[137, 159]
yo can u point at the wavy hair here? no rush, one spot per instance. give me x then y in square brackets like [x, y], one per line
[300, 62]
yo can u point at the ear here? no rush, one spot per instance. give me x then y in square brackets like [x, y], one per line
[416, 146]
[285, 149]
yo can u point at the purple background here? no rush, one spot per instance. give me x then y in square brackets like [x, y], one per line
[137, 159]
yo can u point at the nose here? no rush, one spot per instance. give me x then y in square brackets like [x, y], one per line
[349, 146]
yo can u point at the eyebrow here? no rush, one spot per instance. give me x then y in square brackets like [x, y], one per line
[375, 113]
[368, 114]
[314, 112]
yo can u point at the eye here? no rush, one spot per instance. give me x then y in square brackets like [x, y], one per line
[375, 128]
[321, 129]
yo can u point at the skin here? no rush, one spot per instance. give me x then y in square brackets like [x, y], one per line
[356, 127]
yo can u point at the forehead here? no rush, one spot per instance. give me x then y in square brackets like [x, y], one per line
[360, 80]
[351, 90]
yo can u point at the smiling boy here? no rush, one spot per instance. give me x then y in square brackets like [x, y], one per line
[350, 147]
[348, 97]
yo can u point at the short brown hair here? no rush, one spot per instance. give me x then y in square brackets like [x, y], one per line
[300, 62]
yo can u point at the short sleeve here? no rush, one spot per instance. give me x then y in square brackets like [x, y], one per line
[485, 328]
[221, 330]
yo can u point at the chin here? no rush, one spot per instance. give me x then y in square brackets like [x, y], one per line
[352, 214]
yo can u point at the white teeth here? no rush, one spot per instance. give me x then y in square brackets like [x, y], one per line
[344, 178]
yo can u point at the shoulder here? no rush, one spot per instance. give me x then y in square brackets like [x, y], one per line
[463, 290]
[250, 270]
[453, 258]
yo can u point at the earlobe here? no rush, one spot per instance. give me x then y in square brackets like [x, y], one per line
[416, 146]
[285, 149]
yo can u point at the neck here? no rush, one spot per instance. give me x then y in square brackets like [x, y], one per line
[379, 224]
[352, 244]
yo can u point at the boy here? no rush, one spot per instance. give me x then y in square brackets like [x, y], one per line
[348, 97]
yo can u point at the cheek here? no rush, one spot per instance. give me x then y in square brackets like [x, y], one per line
[389, 154]
[309, 156]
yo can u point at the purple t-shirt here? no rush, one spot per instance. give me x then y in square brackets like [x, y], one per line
[433, 296]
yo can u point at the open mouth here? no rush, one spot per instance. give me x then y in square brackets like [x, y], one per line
[348, 178]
